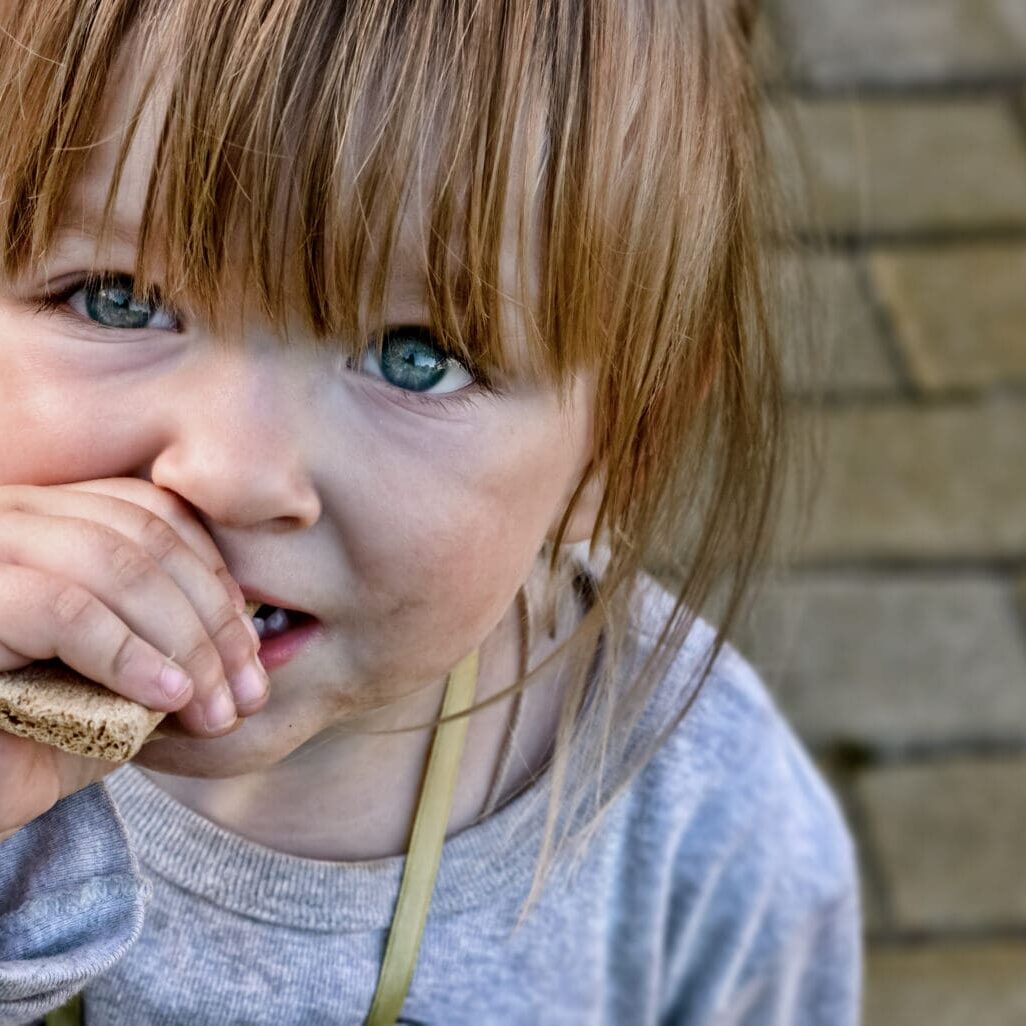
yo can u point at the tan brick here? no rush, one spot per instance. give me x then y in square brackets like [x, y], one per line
[879, 41]
[893, 166]
[923, 483]
[874, 913]
[850, 354]
[887, 660]
[960, 314]
[949, 985]
[949, 838]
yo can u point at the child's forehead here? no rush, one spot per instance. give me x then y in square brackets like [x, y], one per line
[121, 118]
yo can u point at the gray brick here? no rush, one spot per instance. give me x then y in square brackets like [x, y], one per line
[922, 483]
[879, 41]
[851, 354]
[888, 660]
[950, 985]
[960, 314]
[950, 839]
[889, 166]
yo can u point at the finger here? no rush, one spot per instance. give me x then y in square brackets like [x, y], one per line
[172, 508]
[133, 499]
[130, 583]
[45, 618]
[204, 580]
[30, 782]
[37, 776]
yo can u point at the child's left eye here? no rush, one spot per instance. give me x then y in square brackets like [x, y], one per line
[410, 359]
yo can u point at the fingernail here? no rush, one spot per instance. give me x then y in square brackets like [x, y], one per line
[173, 682]
[248, 685]
[220, 711]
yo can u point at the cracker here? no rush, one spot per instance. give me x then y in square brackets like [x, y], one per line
[48, 701]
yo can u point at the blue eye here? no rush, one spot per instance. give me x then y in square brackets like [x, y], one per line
[412, 360]
[110, 301]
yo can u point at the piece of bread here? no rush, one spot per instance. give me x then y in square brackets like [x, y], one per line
[50, 702]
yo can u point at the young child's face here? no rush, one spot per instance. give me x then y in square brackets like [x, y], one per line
[405, 528]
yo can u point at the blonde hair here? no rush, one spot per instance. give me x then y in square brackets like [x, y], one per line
[651, 221]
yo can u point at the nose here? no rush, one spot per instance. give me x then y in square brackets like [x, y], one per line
[236, 448]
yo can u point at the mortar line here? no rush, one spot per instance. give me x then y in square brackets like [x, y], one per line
[1001, 83]
[887, 327]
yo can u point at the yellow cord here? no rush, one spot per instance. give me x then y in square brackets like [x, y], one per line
[422, 860]
[425, 852]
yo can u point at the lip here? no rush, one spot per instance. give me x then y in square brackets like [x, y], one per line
[266, 598]
[280, 650]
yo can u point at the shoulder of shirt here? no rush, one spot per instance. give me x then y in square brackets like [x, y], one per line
[732, 772]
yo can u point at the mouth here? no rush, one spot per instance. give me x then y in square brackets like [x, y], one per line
[272, 621]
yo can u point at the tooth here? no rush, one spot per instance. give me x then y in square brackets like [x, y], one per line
[278, 620]
[252, 607]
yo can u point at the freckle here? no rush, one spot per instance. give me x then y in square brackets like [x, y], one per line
[401, 606]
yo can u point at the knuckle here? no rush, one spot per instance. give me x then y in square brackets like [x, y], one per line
[71, 604]
[131, 564]
[127, 652]
[227, 621]
[15, 499]
[173, 503]
[232, 635]
[159, 537]
[204, 662]
[225, 577]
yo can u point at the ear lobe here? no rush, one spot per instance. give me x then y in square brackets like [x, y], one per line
[581, 524]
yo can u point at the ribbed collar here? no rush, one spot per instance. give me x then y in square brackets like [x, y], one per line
[197, 855]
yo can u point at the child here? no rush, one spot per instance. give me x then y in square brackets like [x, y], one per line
[433, 325]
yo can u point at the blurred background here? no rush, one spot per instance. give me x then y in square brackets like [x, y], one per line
[897, 643]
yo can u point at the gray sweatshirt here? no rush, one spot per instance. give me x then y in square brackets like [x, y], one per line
[720, 888]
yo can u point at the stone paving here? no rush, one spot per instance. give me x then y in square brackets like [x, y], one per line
[896, 643]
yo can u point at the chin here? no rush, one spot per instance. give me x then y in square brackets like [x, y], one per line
[247, 749]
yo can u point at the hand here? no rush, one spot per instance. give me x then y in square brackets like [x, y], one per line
[118, 580]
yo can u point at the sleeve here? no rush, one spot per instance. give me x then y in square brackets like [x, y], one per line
[816, 979]
[72, 901]
[786, 971]
[765, 926]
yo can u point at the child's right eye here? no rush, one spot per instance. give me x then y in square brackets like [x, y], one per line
[110, 301]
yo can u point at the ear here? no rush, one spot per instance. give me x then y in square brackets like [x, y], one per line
[581, 525]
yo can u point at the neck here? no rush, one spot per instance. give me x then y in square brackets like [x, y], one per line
[324, 801]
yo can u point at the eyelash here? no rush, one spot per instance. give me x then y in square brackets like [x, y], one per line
[54, 302]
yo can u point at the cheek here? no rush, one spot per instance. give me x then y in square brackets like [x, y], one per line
[62, 447]
[450, 549]
[59, 424]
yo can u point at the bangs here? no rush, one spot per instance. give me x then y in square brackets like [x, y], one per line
[597, 166]
[291, 137]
